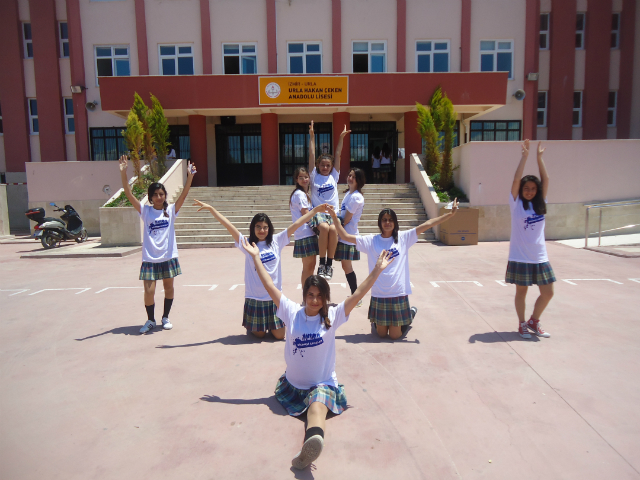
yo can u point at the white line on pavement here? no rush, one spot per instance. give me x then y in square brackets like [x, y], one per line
[637, 280]
[211, 287]
[571, 280]
[233, 287]
[435, 284]
[16, 290]
[110, 288]
[343, 285]
[501, 282]
[82, 290]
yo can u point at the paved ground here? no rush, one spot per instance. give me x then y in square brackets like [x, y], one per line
[84, 396]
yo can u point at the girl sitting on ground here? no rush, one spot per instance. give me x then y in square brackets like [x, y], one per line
[306, 246]
[259, 315]
[389, 310]
[310, 382]
[528, 262]
[159, 247]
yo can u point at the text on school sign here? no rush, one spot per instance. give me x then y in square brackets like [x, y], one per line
[303, 90]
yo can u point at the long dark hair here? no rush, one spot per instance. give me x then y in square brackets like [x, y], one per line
[325, 156]
[376, 152]
[360, 179]
[325, 294]
[386, 150]
[394, 217]
[538, 203]
[296, 174]
[260, 217]
[152, 189]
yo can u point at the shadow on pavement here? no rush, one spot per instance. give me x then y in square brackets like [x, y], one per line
[131, 330]
[305, 474]
[242, 339]
[495, 337]
[271, 402]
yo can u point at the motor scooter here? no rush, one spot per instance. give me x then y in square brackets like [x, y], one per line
[51, 231]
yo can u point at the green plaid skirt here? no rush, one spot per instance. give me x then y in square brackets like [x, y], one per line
[158, 271]
[390, 312]
[260, 316]
[527, 274]
[306, 247]
[319, 218]
[346, 252]
[296, 401]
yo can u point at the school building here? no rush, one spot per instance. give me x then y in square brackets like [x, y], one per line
[240, 80]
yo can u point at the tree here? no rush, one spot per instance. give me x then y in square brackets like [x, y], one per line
[427, 130]
[143, 114]
[436, 108]
[448, 126]
[160, 133]
[133, 136]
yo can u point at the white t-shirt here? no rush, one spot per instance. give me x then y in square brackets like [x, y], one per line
[376, 161]
[527, 234]
[324, 188]
[310, 352]
[385, 160]
[270, 256]
[159, 236]
[354, 203]
[298, 202]
[394, 280]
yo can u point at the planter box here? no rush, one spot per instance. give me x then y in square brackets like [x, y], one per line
[120, 227]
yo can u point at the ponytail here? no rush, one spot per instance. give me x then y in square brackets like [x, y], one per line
[164, 208]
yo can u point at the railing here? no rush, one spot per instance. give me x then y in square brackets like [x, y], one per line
[624, 203]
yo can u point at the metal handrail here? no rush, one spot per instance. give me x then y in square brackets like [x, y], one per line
[623, 203]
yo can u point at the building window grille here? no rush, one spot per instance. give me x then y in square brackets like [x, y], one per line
[581, 20]
[542, 109]
[63, 33]
[615, 31]
[27, 40]
[612, 109]
[369, 57]
[577, 109]
[304, 57]
[544, 31]
[112, 61]
[432, 56]
[239, 58]
[176, 59]
[69, 121]
[496, 56]
[34, 127]
[107, 143]
[495, 131]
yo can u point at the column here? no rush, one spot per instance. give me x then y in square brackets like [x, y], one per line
[531, 51]
[198, 141]
[205, 33]
[625, 89]
[76, 61]
[401, 29]
[465, 37]
[412, 142]
[270, 156]
[272, 49]
[336, 36]
[340, 119]
[141, 38]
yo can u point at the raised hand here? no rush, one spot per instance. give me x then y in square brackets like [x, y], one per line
[344, 132]
[311, 129]
[202, 205]
[525, 148]
[191, 169]
[324, 208]
[540, 149]
[454, 206]
[251, 248]
[384, 260]
[332, 212]
[123, 163]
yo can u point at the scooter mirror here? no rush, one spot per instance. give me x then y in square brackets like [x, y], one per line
[52, 204]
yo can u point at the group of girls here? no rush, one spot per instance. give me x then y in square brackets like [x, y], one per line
[309, 383]
[381, 163]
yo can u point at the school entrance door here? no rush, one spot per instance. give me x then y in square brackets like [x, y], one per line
[239, 155]
[294, 146]
[365, 137]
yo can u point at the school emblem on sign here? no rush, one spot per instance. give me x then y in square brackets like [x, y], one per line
[272, 90]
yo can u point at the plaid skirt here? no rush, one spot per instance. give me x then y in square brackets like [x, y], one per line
[158, 271]
[385, 167]
[527, 274]
[297, 401]
[260, 316]
[306, 247]
[390, 312]
[346, 252]
[319, 218]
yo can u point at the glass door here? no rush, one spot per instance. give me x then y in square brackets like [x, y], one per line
[294, 146]
[239, 154]
[365, 137]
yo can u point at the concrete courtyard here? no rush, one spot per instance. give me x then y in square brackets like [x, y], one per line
[84, 396]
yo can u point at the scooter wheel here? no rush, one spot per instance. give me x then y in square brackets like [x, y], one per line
[48, 241]
[83, 236]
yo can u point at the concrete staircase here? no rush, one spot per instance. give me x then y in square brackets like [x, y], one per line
[239, 204]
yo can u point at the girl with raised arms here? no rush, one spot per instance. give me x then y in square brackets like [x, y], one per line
[528, 262]
[159, 247]
[310, 381]
[306, 241]
[324, 175]
[389, 310]
[259, 315]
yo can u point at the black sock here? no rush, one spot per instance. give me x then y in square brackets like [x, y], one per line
[353, 283]
[167, 307]
[313, 431]
[323, 261]
[329, 262]
[150, 309]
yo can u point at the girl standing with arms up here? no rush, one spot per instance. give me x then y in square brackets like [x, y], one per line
[159, 247]
[528, 262]
[259, 315]
[310, 382]
[306, 246]
[389, 309]
[325, 172]
[350, 213]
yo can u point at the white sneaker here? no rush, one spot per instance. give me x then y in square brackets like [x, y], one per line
[328, 272]
[166, 323]
[359, 304]
[311, 450]
[150, 325]
[522, 330]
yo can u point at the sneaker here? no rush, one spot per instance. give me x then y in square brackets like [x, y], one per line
[328, 272]
[522, 330]
[536, 329]
[311, 450]
[321, 270]
[166, 323]
[359, 304]
[414, 311]
[150, 325]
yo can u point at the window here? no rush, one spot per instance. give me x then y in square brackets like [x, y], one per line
[304, 57]
[107, 143]
[577, 109]
[176, 59]
[615, 30]
[34, 128]
[112, 62]
[580, 24]
[239, 58]
[69, 122]
[63, 33]
[432, 56]
[496, 56]
[499, 131]
[612, 109]
[544, 31]
[28, 42]
[369, 57]
[542, 109]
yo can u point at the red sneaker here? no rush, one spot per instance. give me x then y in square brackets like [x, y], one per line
[536, 328]
[522, 330]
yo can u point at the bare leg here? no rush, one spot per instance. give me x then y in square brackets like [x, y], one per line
[258, 334]
[333, 241]
[149, 292]
[347, 266]
[546, 294]
[308, 267]
[278, 333]
[395, 332]
[323, 239]
[317, 415]
[167, 283]
[521, 295]
[382, 331]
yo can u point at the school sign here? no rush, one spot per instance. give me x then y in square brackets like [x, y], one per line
[304, 90]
